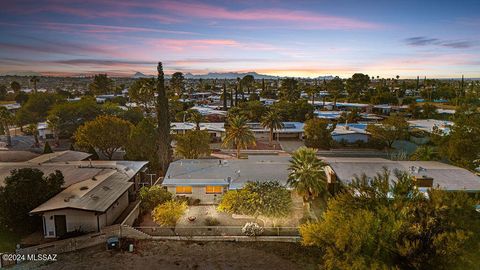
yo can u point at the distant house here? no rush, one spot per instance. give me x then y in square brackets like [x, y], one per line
[291, 130]
[431, 125]
[208, 179]
[426, 173]
[95, 193]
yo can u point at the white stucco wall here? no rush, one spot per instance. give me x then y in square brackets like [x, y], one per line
[76, 219]
[84, 220]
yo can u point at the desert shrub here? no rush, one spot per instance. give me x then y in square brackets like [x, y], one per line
[168, 213]
[252, 229]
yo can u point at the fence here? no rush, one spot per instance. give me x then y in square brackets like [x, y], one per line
[215, 231]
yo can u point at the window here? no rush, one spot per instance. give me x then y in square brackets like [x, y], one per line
[183, 190]
[214, 189]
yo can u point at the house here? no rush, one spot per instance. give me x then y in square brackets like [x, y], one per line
[208, 179]
[95, 193]
[351, 133]
[426, 173]
[431, 125]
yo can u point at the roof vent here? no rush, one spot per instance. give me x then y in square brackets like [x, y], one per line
[94, 197]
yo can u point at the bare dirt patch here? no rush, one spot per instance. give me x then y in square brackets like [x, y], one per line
[190, 255]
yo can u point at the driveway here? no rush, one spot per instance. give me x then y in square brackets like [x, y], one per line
[290, 146]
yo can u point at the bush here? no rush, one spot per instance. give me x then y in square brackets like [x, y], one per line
[252, 229]
[153, 196]
[168, 213]
[211, 221]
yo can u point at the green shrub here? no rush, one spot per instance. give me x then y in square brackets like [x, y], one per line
[153, 196]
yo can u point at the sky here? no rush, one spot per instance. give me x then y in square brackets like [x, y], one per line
[409, 38]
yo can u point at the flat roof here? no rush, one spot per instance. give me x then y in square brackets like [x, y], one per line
[445, 176]
[235, 171]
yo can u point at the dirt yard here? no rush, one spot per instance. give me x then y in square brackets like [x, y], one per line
[189, 255]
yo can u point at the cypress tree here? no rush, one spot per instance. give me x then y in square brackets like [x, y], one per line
[163, 120]
[224, 95]
[47, 149]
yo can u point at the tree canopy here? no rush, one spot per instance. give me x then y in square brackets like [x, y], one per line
[142, 143]
[393, 128]
[106, 133]
[268, 199]
[193, 144]
[22, 191]
[318, 133]
[381, 224]
[101, 84]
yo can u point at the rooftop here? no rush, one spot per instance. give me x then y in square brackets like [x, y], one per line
[445, 176]
[221, 172]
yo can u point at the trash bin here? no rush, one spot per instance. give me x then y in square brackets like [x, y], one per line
[113, 243]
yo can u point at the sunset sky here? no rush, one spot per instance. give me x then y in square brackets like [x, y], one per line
[434, 38]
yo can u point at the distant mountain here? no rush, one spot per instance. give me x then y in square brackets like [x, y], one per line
[229, 75]
[139, 75]
[20, 73]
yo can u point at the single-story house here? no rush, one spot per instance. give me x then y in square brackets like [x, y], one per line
[430, 125]
[427, 173]
[95, 193]
[350, 133]
[208, 179]
[94, 202]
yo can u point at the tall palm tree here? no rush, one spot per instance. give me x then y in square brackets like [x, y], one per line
[32, 128]
[307, 175]
[239, 134]
[196, 117]
[273, 121]
[34, 81]
[6, 118]
[53, 123]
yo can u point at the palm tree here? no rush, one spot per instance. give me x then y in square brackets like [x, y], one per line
[6, 118]
[53, 123]
[196, 117]
[273, 121]
[32, 128]
[239, 134]
[307, 175]
[34, 81]
[425, 153]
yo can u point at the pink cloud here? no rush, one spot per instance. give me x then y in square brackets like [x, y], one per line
[309, 19]
[96, 28]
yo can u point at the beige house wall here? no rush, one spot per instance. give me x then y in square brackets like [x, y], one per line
[199, 192]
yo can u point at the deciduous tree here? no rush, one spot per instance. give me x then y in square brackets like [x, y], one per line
[106, 133]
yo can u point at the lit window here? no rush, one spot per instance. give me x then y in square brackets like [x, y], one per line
[183, 190]
[214, 189]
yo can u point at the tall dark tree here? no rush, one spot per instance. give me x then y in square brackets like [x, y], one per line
[101, 84]
[224, 95]
[15, 86]
[177, 84]
[34, 80]
[163, 121]
[289, 90]
[237, 89]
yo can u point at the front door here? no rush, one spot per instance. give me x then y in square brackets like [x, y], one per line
[60, 225]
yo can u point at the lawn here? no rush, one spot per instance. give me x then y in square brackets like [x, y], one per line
[8, 240]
